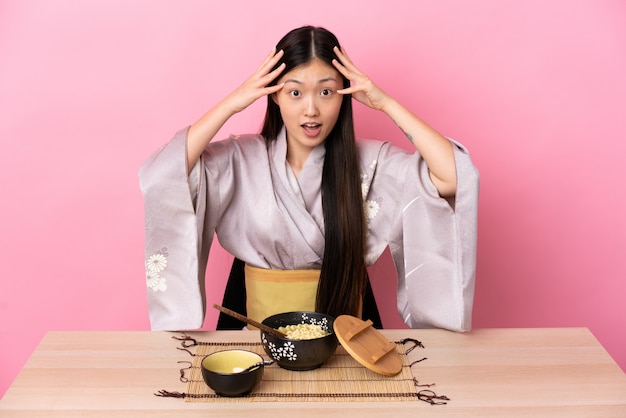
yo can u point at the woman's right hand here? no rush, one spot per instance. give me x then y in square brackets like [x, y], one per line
[256, 86]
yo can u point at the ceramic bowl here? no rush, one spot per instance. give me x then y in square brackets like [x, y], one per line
[299, 354]
[222, 371]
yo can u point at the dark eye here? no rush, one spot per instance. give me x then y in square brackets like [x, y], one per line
[295, 93]
[326, 92]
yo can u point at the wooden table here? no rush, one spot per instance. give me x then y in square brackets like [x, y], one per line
[487, 372]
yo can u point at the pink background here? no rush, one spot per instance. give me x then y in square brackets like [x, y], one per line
[535, 89]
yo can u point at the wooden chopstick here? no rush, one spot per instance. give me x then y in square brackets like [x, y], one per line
[250, 321]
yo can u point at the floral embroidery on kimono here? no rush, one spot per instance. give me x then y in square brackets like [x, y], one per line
[240, 191]
[155, 265]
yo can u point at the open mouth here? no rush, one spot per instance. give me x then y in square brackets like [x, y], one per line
[311, 129]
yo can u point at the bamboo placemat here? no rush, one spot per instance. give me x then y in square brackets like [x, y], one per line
[341, 378]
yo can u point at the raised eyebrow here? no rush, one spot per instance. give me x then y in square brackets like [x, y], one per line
[321, 81]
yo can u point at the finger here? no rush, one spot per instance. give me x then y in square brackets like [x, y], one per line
[267, 58]
[270, 61]
[269, 90]
[353, 75]
[344, 58]
[271, 76]
[358, 81]
[348, 90]
[339, 66]
[274, 89]
[341, 53]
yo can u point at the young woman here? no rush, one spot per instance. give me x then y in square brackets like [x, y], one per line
[305, 205]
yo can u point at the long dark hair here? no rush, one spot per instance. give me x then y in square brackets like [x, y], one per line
[343, 273]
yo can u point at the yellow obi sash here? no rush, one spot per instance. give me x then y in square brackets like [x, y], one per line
[269, 292]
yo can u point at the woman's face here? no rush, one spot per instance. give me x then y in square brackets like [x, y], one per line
[309, 104]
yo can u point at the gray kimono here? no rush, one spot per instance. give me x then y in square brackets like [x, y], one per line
[245, 193]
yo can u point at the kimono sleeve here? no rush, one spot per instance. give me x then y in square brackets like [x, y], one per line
[177, 240]
[434, 250]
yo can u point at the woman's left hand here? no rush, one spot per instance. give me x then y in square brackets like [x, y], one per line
[362, 89]
[436, 150]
